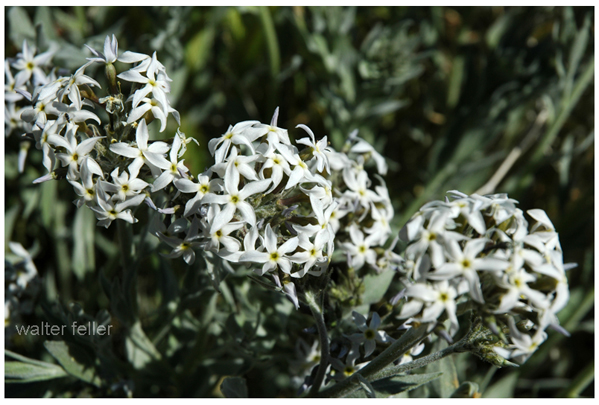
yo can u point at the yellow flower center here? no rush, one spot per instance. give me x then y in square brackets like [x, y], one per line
[369, 334]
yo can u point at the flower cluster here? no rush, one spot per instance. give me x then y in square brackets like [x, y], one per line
[109, 173]
[266, 202]
[362, 218]
[262, 203]
[480, 250]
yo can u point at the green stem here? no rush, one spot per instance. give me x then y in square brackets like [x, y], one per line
[324, 340]
[421, 362]
[392, 353]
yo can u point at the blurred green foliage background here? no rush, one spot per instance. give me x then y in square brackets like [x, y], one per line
[445, 93]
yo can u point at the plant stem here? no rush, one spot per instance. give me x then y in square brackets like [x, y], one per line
[421, 362]
[317, 312]
[392, 353]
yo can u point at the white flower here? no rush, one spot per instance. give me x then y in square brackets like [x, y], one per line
[87, 189]
[275, 256]
[301, 172]
[31, 65]
[278, 166]
[37, 113]
[380, 226]
[11, 85]
[175, 170]
[183, 247]
[409, 355]
[70, 86]
[360, 249]
[364, 147]
[343, 370]
[75, 151]
[515, 282]
[220, 236]
[323, 190]
[111, 51]
[274, 134]
[156, 108]
[430, 238]
[235, 135]
[201, 188]
[323, 230]
[465, 264]
[184, 140]
[235, 200]
[73, 113]
[358, 188]
[369, 334]
[155, 82]
[310, 256]
[107, 211]
[124, 186]
[438, 297]
[542, 219]
[318, 148]
[151, 155]
[236, 166]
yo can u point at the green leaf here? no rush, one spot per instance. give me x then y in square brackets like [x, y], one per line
[503, 388]
[395, 385]
[44, 17]
[83, 242]
[17, 372]
[140, 350]
[375, 286]
[466, 390]
[272, 44]
[20, 26]
[366, 386]
[197, 51]
[455, 81]
[448, 383]
[74, 360]
[10, 218]
[576, 54]
[234, 387]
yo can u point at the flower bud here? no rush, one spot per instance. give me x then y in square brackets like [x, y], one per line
[110, 72]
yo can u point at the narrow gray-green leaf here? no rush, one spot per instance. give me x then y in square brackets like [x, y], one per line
[20, 26]
[74, 360]
[467, 389]
[83, 242]
[503, 388]
[375, 286]
[140, 349]
[17, 372]
[398, 384]
[448, 383]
